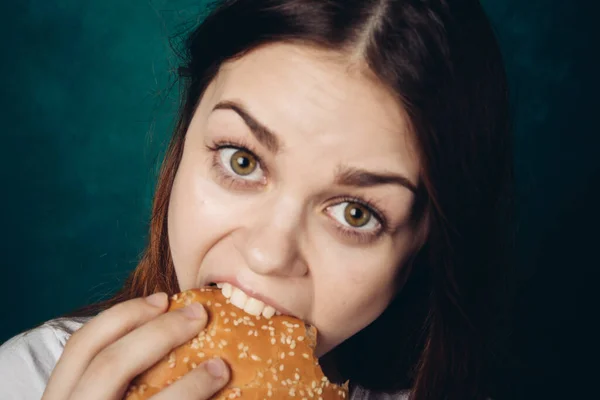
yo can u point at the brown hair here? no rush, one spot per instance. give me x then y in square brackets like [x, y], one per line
[442, 60]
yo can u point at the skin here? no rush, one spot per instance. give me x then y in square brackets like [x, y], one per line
[279, 231]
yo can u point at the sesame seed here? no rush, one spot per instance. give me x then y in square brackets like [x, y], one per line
[218, 305]
[273, 341]
[282, 355]
[222, 313]
[291, 353]
[201, 354]
[300, 338]
[305, 355]
[226, 321]
[255, 357]
[281, 367]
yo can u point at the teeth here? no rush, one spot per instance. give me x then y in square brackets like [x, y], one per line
[249, 304]
[238, 298]
[227, 289]
[268, 312]
[254, 307]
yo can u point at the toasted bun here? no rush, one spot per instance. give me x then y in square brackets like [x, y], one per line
[269, 358]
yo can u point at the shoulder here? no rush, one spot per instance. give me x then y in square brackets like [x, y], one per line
[27, 359]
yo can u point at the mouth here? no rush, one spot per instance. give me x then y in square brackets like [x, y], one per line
[242, 300]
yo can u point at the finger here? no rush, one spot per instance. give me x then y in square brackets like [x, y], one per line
[113, 368]
[198, 384]
[97, 334]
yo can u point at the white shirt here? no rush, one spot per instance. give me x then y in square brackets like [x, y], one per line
[27, 360]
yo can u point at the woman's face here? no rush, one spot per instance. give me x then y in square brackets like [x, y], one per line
[295, 188]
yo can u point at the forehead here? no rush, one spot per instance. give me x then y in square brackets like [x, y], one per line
[314, 99]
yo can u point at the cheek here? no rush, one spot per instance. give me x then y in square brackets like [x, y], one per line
[199, 214]
[353, 294]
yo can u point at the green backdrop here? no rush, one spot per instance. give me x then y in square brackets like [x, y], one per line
[86, 112]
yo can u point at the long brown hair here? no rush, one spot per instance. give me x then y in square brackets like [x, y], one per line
[442, 61]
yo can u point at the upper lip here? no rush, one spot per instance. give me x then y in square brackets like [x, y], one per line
[251, 293]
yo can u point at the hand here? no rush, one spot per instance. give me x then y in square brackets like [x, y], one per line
[102, 358]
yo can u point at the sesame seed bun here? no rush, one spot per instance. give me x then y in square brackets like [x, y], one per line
[269, 358]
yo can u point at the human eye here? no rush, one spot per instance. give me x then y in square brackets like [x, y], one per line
[357, 219]
[237, 165]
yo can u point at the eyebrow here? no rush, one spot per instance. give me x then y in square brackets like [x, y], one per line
[263, 134]
[345, 176]
[349, 176]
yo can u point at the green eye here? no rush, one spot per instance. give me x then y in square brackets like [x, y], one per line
[357, 215]
[243, 163]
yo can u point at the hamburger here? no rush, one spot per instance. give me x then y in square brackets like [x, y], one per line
[269, 358]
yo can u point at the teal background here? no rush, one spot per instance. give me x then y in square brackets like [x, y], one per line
[86, 111]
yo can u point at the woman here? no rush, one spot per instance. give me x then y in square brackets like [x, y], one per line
[346, 162]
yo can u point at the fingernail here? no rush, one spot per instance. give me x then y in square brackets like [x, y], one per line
[216, 368]
[194, 311]
[157, 299]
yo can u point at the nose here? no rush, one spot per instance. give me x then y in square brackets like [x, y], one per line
[269, 243]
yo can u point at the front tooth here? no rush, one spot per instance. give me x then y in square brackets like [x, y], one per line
[238, 298]
[220, 285]
[268, 312]
[227, 289]
[254, 307]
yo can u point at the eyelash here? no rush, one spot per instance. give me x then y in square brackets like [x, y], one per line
[232, 181]
[358, 235]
